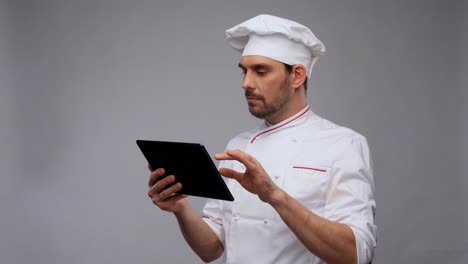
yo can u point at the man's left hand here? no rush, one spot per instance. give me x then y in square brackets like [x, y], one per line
[254, 179]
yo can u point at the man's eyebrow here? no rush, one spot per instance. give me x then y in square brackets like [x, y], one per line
[258, 66]
[261, 66]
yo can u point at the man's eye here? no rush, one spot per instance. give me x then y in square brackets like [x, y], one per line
[261, 73]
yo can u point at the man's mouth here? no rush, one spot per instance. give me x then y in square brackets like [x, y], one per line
[252, 99]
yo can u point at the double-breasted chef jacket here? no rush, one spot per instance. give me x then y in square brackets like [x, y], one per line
[326, 167]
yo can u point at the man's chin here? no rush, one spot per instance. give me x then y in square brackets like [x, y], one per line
[257, 113]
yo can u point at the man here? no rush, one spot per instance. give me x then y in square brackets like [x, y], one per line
[303, 186]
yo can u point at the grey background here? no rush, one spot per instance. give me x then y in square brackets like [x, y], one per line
[81, 80]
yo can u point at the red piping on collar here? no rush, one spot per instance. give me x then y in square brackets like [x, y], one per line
[266, 131]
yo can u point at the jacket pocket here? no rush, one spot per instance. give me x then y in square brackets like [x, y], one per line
[306, 182]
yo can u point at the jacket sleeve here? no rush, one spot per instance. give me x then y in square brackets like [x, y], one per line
[350, 195]
[212, 214]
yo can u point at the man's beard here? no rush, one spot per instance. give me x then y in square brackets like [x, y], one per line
[276, 104]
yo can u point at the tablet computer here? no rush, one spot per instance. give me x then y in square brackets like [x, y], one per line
[190, 163]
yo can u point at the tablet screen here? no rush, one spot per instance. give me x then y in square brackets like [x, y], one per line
[190, 163]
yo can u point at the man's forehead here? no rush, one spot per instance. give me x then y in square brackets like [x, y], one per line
[258, 61]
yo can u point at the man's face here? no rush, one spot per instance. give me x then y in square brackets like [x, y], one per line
[266, 85]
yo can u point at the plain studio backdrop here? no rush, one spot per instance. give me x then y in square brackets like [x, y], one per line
[82, 80]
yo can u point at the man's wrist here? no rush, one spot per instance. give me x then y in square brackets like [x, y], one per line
[275, 196]
[181, 209]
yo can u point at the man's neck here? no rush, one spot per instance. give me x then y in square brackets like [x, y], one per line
[285, 113]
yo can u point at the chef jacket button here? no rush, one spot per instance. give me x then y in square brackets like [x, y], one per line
[276, 177]
[293, 140]
[265, 221]
[236, 218]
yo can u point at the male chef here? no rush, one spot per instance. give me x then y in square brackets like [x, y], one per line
[303, 186]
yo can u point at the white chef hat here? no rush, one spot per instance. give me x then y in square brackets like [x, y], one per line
[276, 38]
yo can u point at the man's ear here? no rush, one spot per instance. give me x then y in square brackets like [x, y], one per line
[298, 75]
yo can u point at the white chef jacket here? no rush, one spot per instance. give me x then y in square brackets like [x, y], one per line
[327, 168]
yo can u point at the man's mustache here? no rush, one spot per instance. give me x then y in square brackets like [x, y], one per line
[249, 93]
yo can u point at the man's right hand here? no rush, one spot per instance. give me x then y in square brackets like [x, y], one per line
[165, 199]
[196, 232]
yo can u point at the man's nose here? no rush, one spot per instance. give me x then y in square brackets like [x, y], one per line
[248, 81]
